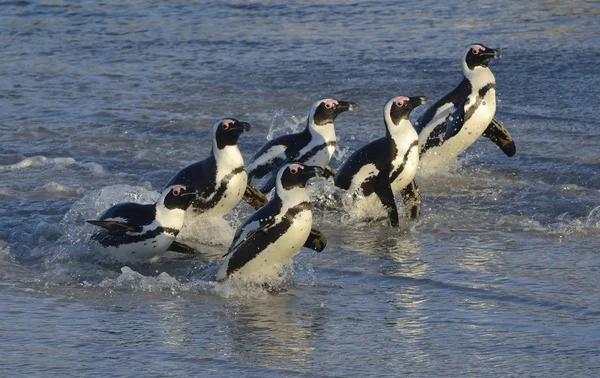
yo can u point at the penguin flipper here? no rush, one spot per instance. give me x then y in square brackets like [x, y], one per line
[316, 241]
[411, 197]
[182, 248]
[386, 196]
[248, 238]
[455, 121]
[254, 197]
[112, 226]
[497, 133]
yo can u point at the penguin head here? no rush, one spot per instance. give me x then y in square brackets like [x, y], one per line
[297, 175]
[325, 111]
[399, 108]
[479, 55]
[177, 197]
[228, 131]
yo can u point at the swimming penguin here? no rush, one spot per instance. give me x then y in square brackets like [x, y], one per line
[376, 172]
[136, 232]
[272, 236]
[454, 122]
[313, 146]
[219, 179]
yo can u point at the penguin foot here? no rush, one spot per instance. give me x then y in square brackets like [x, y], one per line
[316, 241]
[329, 172]
[182, 248]
[411, 197]
[497, 133]
[254, 197]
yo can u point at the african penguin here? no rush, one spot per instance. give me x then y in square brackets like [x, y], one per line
[313, 146]
[220, 179]
[273, 235]
[138, 232]
[453, 123]
[375, 173]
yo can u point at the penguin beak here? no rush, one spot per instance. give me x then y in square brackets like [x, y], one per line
[311, 171]
[240, 127]
[418, 100]
[492, 54]
[344, 106]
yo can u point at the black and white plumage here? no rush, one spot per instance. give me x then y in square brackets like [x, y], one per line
[315, 145]
[219, 179]
[376, 172]
[273, 235]
[453, 123]
[138, 232]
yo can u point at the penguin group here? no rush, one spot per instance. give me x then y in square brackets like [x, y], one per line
[371, 177]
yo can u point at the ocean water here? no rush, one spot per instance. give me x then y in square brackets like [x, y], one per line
[101, 101]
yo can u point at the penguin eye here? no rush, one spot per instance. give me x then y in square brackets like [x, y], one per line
[225, 126]
[293, 170]
[176, 191]
[328, 105]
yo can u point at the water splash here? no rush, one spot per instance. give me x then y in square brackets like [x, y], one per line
[281, 125]
[93, 204]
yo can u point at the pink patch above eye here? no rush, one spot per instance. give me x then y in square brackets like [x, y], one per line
[478, 49]
[228, 122]
[330, 103]
[294, 168]
[401, 100]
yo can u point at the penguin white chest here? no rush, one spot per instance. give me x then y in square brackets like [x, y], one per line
[322, 157]
[233, 193]
[321, 147]
[267, 265]
[411, 163]
[483, 113]
[472, 129]
[142, 250]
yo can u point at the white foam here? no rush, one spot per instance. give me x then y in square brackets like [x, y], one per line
[200, 230]
[130, 279]
[5, 255]
[42, 161]
[564, 226]
[593, 218]
[55, 190]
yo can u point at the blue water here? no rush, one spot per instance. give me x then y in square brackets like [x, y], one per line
[100, 102]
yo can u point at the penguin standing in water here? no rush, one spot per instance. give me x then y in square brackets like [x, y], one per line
[313, 146]
[136, 232]
[376, 172]
[219, 179]
[454, 122]
[272, 236]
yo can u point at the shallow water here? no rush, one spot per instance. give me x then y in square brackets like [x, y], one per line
[102, 101]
